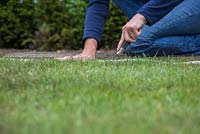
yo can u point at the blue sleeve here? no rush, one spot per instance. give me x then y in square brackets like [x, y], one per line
[154, 10]
[96, 14]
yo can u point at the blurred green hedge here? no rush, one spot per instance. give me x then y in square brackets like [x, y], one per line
[50, 25]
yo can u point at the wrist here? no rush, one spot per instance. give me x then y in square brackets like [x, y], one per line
[90, 45]
[91, 41]
[141, 17]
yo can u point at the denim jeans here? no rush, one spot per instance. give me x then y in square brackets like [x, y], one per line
[177, 33]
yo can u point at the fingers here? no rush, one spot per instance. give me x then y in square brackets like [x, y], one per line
[128, 37]
[129, 34]
[76, 57]
[139, 32]
[136, 31]
[64, 58]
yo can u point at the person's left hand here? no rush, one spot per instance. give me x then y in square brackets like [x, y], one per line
[132, 30]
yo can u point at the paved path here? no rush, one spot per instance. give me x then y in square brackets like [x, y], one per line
[13, 53]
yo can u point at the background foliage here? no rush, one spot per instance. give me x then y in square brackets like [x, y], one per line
[50, 25]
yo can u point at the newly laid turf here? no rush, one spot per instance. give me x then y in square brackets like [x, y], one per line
[155, 96]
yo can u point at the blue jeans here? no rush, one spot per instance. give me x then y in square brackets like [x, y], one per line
[178, 33]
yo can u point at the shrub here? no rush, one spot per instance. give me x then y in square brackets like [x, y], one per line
[49, 25]
[16, 23]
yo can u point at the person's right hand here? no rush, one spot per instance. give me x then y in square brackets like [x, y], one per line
[89, 51]
[132, 30]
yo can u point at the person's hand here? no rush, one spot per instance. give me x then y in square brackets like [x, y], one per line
[89, 51]
[132, 30]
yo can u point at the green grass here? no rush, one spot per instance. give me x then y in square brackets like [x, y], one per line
[99, 97]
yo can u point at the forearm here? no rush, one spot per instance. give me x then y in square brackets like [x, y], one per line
[96, 14]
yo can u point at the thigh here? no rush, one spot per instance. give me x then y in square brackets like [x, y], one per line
[182, 20]
[129, 7]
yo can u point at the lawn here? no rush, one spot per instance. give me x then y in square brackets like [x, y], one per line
[154, 96]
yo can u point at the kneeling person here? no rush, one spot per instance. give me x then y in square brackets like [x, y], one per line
[155, 27]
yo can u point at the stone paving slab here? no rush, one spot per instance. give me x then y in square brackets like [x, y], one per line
[34, 55]
[102, 54]
[12, 53]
